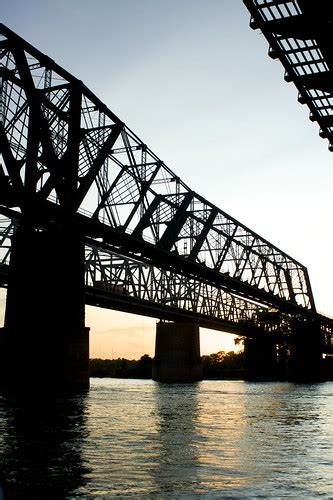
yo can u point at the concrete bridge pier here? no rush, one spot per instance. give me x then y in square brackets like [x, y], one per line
[45, 344]
[177, 353]
[305, 360]
[261, 358]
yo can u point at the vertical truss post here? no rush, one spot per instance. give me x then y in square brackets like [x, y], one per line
[192, 226]
[3, 92]
[47, 78]
[143, 175]
[158, 219]
[47, 85]
[177, 189]
[104, 169]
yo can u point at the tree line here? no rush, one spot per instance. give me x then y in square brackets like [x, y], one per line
[217, 365]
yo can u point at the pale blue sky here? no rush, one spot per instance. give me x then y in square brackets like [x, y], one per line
[196, 84]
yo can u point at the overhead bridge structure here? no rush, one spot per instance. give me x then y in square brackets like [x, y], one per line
[89, 214]
[299, 34]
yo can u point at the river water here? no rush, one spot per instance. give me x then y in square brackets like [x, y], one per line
[214, 439]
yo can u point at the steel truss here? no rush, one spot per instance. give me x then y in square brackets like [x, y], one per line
[169, 294]
[135, 286]
[117, 281]
[66, 156]
[299, 33]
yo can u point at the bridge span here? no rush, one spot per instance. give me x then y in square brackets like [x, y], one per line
[89, 214]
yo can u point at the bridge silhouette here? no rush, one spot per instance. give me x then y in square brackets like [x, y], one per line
[90, 215]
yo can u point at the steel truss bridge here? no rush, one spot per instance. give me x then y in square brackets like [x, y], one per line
[152, 245]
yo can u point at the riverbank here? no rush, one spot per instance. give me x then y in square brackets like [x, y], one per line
[217, 366]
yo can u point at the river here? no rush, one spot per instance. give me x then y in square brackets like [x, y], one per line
[214, 439]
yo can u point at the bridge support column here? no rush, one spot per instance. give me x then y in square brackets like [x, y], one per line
[46, 344]
[306, 361]
[177, 353]
[261, 358]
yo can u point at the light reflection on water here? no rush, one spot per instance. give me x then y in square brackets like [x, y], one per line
[222, 439]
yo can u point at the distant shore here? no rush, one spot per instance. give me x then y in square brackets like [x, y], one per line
[218, 366]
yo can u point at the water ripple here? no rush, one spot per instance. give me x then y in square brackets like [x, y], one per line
[213, 439]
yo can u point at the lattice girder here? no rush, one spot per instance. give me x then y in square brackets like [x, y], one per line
[116, 281]
[67, 157]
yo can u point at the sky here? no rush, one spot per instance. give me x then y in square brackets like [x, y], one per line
[195, 83]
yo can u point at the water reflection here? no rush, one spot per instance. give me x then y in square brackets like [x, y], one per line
[283, 423]
[274, 407]
[41, 456]
[222, 428]
[177, 453]
[221, 439]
